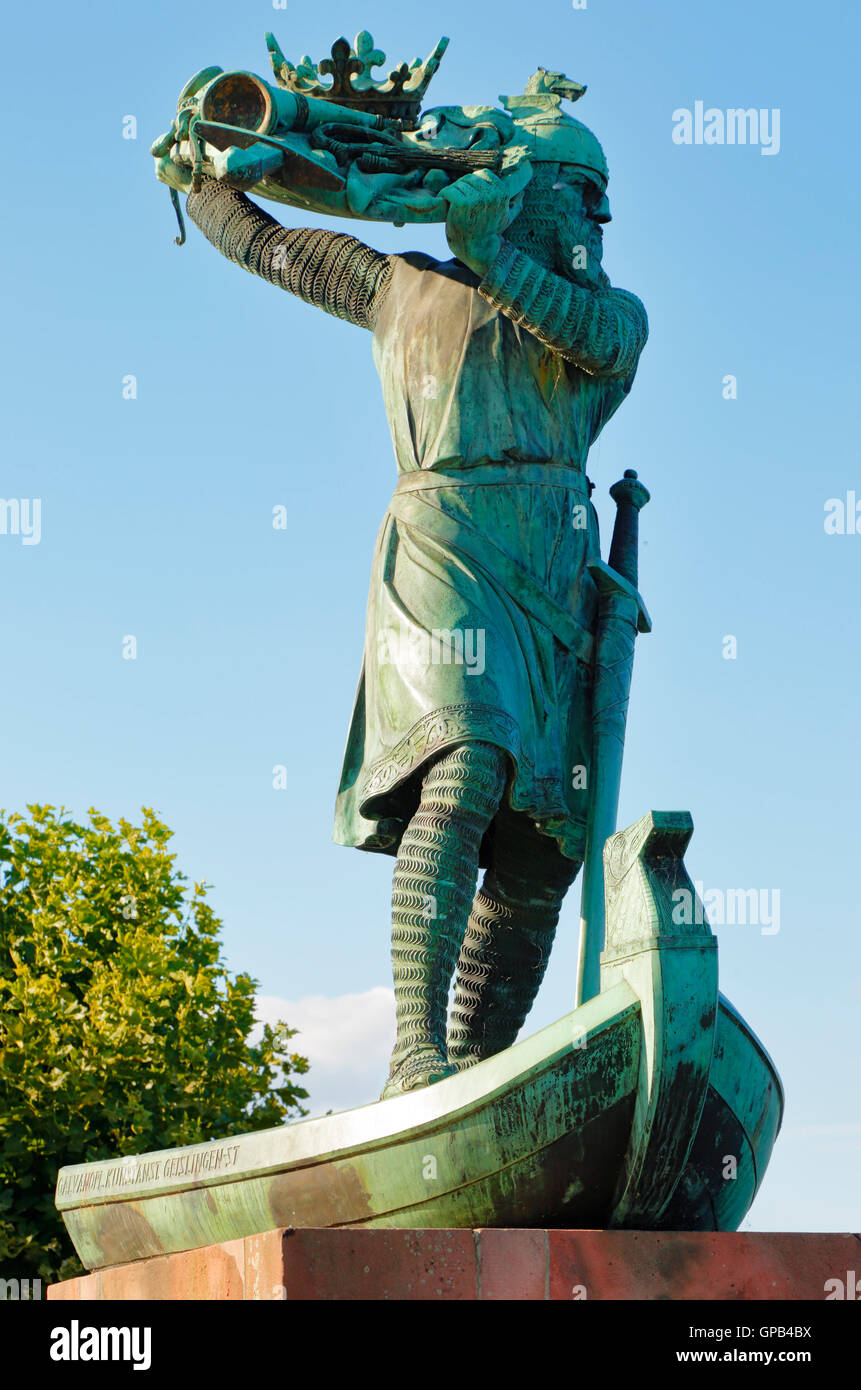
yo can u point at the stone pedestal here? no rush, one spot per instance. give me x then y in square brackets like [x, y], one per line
[466, 1265]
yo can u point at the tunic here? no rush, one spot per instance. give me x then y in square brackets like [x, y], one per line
[480, 608]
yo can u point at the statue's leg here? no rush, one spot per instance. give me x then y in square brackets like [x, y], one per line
[507, 942]
[433, 886]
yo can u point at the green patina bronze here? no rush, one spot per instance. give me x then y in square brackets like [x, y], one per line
[489, 721]
[472, 735]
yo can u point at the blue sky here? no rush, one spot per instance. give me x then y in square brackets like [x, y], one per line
[156, 512]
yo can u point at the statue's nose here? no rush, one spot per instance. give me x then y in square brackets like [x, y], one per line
[602, 213]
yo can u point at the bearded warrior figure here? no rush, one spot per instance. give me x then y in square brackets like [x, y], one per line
[470, 740]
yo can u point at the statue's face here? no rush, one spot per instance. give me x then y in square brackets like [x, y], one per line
[583, 208]
[562, 219]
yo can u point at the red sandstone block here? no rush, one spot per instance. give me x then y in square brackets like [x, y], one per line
[86, 1288]
[346, 1265]
[512, 1264]
[214, 1272]
[748, 1266]
[264, 1266]
[408, 1265]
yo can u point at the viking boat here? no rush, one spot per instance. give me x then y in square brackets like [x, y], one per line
[652, 1106]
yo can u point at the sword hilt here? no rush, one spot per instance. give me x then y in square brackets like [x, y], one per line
[630, 497]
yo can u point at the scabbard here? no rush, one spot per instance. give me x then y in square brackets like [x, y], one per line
[621, 615]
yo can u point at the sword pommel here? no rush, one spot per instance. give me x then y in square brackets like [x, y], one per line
[630, 496]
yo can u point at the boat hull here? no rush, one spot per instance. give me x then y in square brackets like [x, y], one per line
[537, 1141]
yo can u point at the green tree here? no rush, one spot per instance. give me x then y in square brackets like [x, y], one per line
[120, 1028]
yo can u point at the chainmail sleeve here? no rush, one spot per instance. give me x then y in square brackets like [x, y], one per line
[334, 271]
[602, 331]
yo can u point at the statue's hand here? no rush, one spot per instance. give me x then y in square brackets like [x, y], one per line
[175, 175]
[170, 166]
[479, 210]
[238, 168]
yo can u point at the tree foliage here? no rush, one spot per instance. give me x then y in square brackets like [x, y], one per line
[121, 1030]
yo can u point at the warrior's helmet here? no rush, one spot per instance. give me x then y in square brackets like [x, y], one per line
[549, 135]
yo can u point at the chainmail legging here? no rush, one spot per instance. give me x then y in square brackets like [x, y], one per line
[508, 938]
[433, 886]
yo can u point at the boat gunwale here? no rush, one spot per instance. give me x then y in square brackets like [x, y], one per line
[625, 1003]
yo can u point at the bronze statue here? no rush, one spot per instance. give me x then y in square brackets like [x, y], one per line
[470, 741]
[489, 722]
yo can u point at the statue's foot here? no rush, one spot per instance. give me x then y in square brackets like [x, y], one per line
[422, 1066]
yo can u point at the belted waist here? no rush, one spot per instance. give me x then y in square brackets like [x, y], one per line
[458, 533]
[495, 475]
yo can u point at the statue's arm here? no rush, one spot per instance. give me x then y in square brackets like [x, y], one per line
[330, 269]
[601, 330]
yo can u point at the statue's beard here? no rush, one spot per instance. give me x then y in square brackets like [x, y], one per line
[571, 242]
[554, 241]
